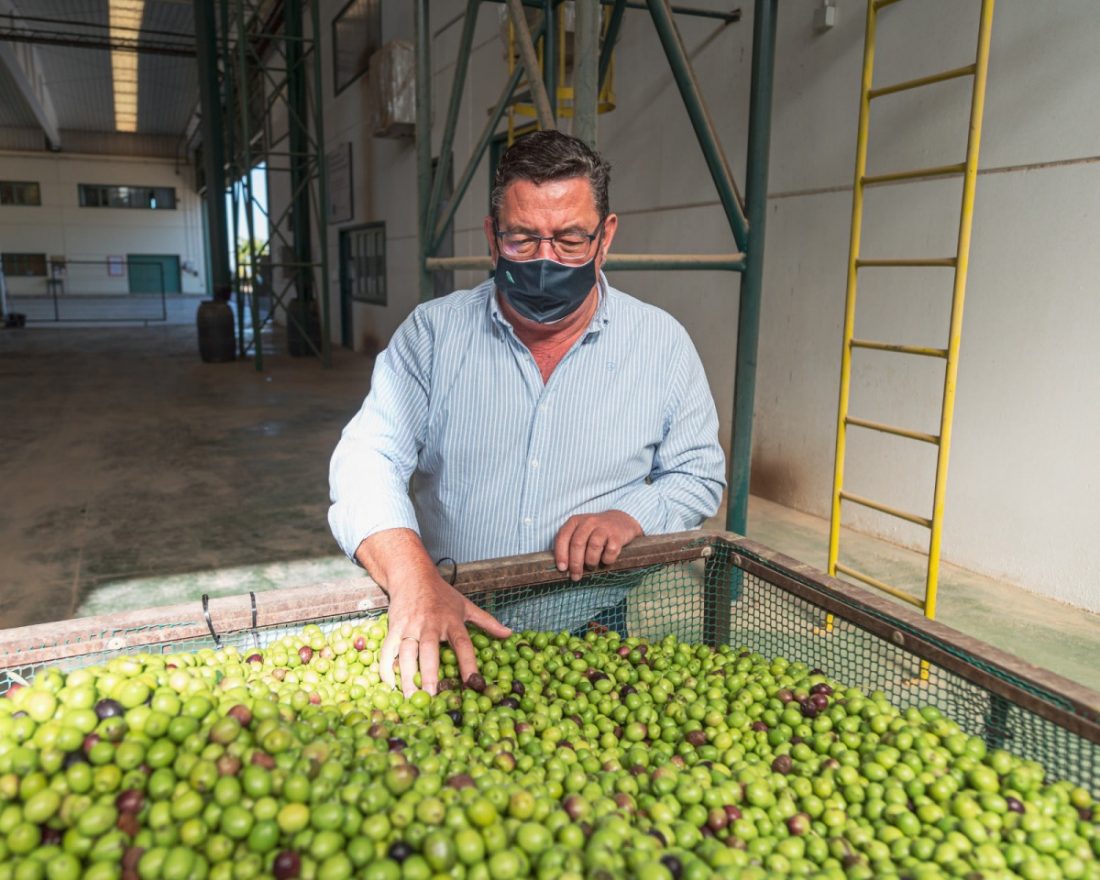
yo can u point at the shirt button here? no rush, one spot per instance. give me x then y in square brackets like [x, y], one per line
[535, 463]
[527, 520]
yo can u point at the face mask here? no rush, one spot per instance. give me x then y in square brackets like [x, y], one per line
[542, 290]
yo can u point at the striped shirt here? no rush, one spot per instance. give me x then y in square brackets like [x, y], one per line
[498, 460]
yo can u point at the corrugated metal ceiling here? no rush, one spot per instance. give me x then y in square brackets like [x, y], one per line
[79, 79]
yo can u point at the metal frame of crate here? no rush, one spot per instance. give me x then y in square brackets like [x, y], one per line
[710, 587]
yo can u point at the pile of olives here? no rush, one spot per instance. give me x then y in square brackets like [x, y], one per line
[566, 756]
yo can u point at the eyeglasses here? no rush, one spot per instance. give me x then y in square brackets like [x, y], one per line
[568, 246]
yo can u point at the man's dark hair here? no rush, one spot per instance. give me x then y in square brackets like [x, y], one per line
[543, 156]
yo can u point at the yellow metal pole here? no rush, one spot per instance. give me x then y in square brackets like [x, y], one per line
[958, 296]
[850, 297]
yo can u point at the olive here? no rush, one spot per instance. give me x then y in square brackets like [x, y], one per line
[782, 764]
[456, 717]
[287, 865]
[476, 682]
[305, 654]
[674, 865]
[518, 689]
[399, 851]
[130, 801]
[108, 708]
[1014, 804]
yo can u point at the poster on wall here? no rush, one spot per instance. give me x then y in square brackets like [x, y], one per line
[115, 267]
[338, 171]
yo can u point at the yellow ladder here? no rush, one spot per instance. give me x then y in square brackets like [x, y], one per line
[950, 354]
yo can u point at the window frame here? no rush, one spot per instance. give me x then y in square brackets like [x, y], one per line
[24, 261]
[108, 193]
[372, 8]
[22, 186]
[358, 287]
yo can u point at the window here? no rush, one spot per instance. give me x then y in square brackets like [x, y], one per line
[24, 265]
[13, 192]
[363, 263]
[94, 195]
[356, 35]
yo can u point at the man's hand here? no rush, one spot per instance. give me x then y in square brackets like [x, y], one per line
[424, 611]
[422, 616]
[588, 539]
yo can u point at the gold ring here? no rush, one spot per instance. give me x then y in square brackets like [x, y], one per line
[410, 639]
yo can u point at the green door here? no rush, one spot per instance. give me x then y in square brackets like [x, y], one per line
[153, 273]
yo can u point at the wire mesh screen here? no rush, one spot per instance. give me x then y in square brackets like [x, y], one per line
[723, 595]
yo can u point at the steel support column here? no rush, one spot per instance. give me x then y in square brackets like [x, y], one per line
[586, 71]
[423, 143]
[748, 312]
[298, 139]
[700, 119]
[206, 46]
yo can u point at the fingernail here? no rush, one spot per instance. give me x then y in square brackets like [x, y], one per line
[561, 566]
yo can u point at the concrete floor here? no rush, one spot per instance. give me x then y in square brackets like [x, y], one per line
[134, 475]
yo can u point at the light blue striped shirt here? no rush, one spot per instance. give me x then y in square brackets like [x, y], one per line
[498, 460]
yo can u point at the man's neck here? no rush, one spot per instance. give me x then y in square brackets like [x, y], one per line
[568, 328]
[550, 342]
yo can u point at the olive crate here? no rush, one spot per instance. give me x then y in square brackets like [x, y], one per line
[704, 587]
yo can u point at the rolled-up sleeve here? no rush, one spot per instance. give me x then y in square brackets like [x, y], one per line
[377, 453]
[688, 476]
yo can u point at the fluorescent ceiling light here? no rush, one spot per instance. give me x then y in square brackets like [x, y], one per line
[125, 23]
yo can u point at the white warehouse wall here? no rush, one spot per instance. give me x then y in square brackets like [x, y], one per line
[1023, 473]
[60, 227]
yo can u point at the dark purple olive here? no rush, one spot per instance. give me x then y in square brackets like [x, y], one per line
[785, 695]
[20, 713]
[733, 811]
[130, 801]
[1014, 804]
[809, 710]
[288, 865]
[796, 739]
[396, 743]
[782, 764]
[626, 690]
[448, 684]
[653, 832]
[399, 851]
[509, 703]
[50, 836]
[822, 688]
[759, 725]
[696, 738]
[816, 671]
[717, 819]
[675, 867]
[476, 682]
[518, 689]
[77, 757]
[456, 717]
[820, 701]
[108, 709]
[577, 655]
[460, 781]
[575, 806]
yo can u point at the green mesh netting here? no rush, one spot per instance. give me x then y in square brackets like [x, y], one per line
[692, 601]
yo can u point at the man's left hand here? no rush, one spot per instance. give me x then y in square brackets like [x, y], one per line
[588, 539]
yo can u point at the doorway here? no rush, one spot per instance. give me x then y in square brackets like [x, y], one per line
[153, 273]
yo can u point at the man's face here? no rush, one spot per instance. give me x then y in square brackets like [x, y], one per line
[552, 208]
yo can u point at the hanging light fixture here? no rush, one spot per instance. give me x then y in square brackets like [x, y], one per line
[125, 24]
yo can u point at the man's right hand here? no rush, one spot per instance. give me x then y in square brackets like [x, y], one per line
[424, 611]
[421, 616]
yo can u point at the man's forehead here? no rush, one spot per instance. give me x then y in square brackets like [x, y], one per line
[564, 194]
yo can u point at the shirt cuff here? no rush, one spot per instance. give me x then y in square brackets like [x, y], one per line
[353, 524]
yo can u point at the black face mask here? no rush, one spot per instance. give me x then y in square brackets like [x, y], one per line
[543, 290]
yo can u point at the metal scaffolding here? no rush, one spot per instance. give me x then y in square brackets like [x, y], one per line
[746, 216]
[271, 101]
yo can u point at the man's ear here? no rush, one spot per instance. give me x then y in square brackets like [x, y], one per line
[610, 225]
[490, 236]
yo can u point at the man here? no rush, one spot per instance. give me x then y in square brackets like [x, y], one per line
[541, 410]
